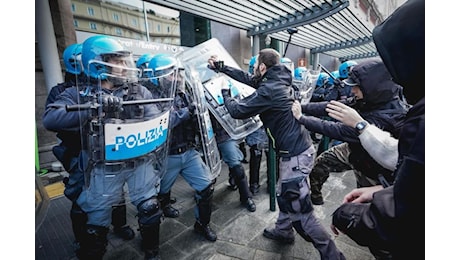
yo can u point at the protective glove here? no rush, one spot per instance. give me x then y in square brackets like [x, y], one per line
[217, 66]
[112, 103]
[192, 108]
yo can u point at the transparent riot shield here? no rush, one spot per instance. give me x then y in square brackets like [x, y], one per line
[124, 132]
[208, 147]
[197, 58]
[304, 88]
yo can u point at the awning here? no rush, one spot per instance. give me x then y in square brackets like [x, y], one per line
[323, 26]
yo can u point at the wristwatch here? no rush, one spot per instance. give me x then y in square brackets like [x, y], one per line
[361, 125]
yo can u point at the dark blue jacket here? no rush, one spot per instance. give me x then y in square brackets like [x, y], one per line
[380, 106]
[272, 101]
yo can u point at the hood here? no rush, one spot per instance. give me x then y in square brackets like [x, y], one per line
[279, 73]
[400, 41]
[375, 82]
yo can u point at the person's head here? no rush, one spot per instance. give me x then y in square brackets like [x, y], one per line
[371, 83]
[335, 75]
[266, 59]
[162, 71]
[345, 67]
[72, 59]
[322, 79]
[104, 58]
[143, 62]
[288, 63]
[299, 73]
[252, 62]
[400, 42]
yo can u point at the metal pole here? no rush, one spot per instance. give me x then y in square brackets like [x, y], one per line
[272, 176]
[47, 46]
[146, 22]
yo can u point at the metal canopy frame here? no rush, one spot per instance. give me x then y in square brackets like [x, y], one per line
[324, 26]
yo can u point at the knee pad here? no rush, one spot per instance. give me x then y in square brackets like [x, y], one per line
[290, 200]
[149, 211]
[237, 172]
[206, 194]
[255, 151]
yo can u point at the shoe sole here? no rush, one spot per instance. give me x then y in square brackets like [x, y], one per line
[279, 239]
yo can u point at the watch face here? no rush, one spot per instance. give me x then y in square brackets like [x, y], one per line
[361, 125]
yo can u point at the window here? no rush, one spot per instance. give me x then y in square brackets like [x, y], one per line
[75, 23]
[118, 31]
[90, 11]
[93, 26]
[168, 29]
[73, 8]
[159, 28]
[116, 18]
[134, 22]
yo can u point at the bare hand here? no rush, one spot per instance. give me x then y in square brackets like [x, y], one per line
[361, 195]
[343, 113]
[296, 109]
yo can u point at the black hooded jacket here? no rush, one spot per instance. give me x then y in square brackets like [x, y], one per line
[394, 219]
[272, 101]
[380, 106]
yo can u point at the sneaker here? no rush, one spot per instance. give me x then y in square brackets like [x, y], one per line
[206, 231]
[249, 204]
[170, 212]
[317, 199]
[125, 232]
[272, 233]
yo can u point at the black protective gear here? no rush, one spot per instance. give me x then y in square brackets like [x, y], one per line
[78, 218]
[112, 103]
[241, 181]
[254, 168]
[203, 200]
[119, 222]
[165, 202]
[93, 245]
[150, 213]
[291, 200]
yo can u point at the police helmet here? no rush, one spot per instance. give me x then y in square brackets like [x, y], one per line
[299, 73]
[345, 67]
[160, 66]
[335, 75]
[322, 79]
[72, 58]
[143, 61]
[252, 62]
[96, 53]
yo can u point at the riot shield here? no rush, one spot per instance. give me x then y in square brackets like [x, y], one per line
[208, 147]
[124, 131]
[304, 88]
[197, 58]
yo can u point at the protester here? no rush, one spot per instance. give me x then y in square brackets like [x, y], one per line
[272, 101]
[388, 217]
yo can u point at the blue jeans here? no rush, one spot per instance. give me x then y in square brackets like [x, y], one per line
[106, 189]
[192, 168]
[231, 154]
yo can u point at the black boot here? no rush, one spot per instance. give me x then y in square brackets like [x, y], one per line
[203, 199]
[254, 168]
[119, 222]
[93, 245]
[151, 240]
[241, 181]
[168, 210]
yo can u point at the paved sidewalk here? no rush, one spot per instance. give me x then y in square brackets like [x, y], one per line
[239, 231]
